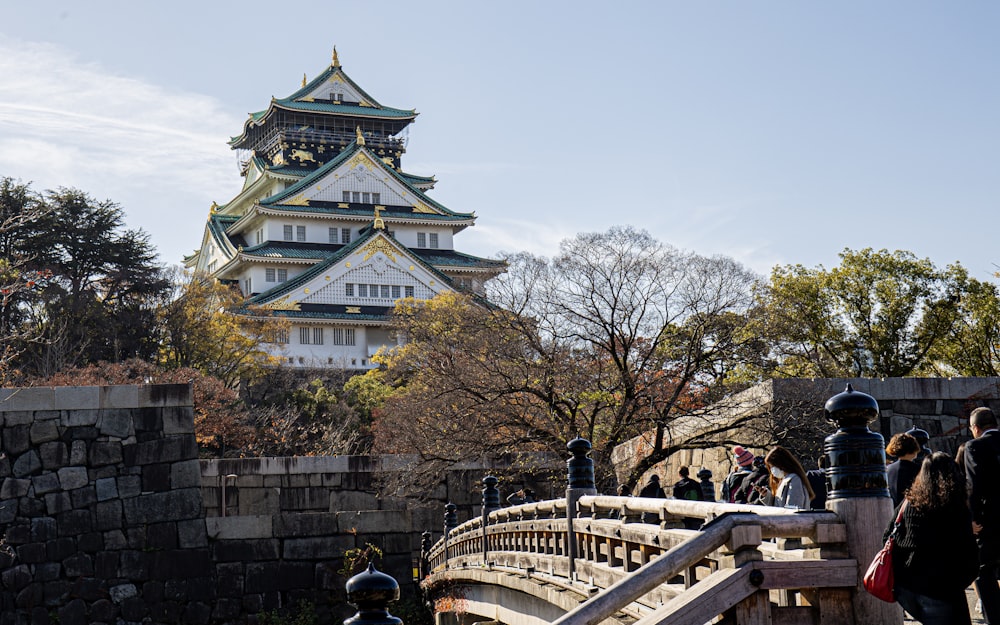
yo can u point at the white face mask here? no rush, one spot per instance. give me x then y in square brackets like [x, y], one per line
[778, 473]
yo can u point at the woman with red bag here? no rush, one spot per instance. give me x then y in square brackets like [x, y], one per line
[935, 556]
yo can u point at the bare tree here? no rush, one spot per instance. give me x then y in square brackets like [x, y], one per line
[616, 336]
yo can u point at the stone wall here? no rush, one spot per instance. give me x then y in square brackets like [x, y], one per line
[100, 507]
[941, 406]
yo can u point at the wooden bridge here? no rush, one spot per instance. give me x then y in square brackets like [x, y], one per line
[593, 560]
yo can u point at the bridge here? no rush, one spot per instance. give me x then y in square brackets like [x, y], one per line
[589, 559]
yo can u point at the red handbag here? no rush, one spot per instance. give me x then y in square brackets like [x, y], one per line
[879, 580]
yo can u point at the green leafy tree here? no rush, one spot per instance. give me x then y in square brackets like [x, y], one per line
[972, 345]
[104, 285]
[879, 314]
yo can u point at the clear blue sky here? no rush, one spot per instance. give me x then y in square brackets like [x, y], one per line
[772, 132]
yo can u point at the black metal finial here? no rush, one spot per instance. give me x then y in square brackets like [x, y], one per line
[855, 455]
[851, 408]
[450, 517]
[371, 592]
[580, 468]
[491, 494]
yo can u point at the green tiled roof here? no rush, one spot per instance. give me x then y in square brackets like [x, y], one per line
[301, 251]
[335, 311]
[352, 110]
[275, 200]
[451, 258]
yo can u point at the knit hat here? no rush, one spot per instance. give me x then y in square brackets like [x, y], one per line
[743, 456]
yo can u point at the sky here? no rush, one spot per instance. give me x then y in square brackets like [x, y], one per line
[772, 132]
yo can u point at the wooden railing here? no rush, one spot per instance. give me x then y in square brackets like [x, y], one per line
[746, 564]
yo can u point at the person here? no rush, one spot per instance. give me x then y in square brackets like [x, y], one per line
[707, 487]
[935, 557]
[748, 491]
[690, 490]
[654, 490]
[982, 470]
[624, 490]
[922, 438]
[788, 487]
[733, 481]
[900, 473]
[525, 495]
[817, 479]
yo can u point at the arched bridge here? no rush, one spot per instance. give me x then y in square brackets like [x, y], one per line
[600, 563]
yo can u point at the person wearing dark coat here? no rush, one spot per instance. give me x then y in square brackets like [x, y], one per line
[922, 439]
[935, 556]
[901, 473]
[653, 490]
[759, 476]
[707, 487]
[982, 469]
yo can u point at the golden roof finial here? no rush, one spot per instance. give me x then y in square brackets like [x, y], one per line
[303, 79]
[379, 224]
[361, 137]
[213, 208]
[336, 61]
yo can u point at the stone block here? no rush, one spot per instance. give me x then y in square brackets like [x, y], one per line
[114, 540]
[185, 474]
[239, 527]
[196, 613]
[326, 480]
[54, 455]
[106, 488]
[16, 439]
[31, 398]
[229, 580]
[129, 486]
[161, 536]
[78, 418]
[123, 396]
[297, 524]
[293, 499]
[90, 542]
[317, 547]
[78, 453]
[47, 571]
[115, 423]
[133, 566]
[259, 501]
[374, 521]
[83, 497]
[178, 420]
[73, 613]
[72, 398]
[78, 565]
[163, 395]
[13, 487]
[245, 550]
[192, 533]
[349, 500]
[43, 432]
[44, 483]
[175, 505]
[18, 417]
[74, 523]
[108, 515]
[71, 478]
[156, 477]
[58, 502]
[169, 449]
[105, 452]
[31, 553]
[27, 464]
[179, 564]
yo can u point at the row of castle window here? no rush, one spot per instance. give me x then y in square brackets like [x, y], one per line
[423, 237]
[317, 336]
[361, 197]
[383, 291]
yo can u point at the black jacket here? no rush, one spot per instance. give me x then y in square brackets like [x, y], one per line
[982, 470]
[935, 553]
[901, 475]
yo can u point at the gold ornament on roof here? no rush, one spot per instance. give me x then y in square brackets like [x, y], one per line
[303, 79]
[336, 61]
[378, 224]
[378, 245]
[361, 137]
[214, 207]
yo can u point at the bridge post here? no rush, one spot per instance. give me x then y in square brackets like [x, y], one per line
[370, 592]
[450, 523]
[425, 552]
[491, 502]
[580, 478]
[859, 493]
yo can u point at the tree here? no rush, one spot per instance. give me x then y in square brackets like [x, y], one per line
[206, 328]
[972, 345]
[19, 207]
[105, 285]
[878, 314]
[618, 335]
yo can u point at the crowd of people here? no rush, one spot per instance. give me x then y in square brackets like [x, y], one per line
[947, 507]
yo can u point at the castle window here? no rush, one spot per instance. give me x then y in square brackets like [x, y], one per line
[333, 236]
[349, 290]
[349, 336]
[317, 336]
[408, 290]
[376, 198]
[345, 235]
[280, 336]
[421, 239]
[287, 232]
[269, 275]
[282, 275]
[247, 285]
[300, 233]
[356, 197]
[395, 292]
[305, 337]
[346, 195]
[373, 290]
[434, 240]
[385, 291]
[362, 290]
